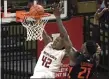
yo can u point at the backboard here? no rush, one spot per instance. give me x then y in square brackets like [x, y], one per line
[9, 8]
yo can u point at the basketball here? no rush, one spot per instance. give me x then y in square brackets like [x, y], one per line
[37, 11]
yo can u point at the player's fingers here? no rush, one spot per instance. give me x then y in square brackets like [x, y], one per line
[54, 6]
[98, 10]
[60, 4]
[105, 9]
[101, 12]
[61, 9]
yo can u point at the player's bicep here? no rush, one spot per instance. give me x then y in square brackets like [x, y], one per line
[68, 42]
[71, 52]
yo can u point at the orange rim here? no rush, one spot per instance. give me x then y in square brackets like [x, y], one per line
[21, 15]
[40, 16]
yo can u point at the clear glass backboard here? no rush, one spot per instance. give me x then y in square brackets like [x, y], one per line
[9, 8]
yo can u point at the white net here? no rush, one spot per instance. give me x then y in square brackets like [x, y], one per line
[34, 27]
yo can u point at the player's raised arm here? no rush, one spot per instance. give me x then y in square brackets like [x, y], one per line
[63, 32]
[71, 52]
[46, 38]
[98, 14]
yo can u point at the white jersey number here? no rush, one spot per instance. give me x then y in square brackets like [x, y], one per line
[46, 61]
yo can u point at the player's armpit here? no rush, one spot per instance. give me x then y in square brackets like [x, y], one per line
[72, 53]
[68, 43]
[62, 30]
[46, 38]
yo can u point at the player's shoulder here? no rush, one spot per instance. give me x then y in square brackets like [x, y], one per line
[80, 58]
[79, 55]
[74, 49]
[49, 44]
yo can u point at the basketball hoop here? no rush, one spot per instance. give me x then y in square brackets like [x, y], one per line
[33, 24]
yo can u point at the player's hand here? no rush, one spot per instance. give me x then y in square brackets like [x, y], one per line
[57, 9]
[99, 13]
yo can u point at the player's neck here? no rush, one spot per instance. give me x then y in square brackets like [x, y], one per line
[56, 48]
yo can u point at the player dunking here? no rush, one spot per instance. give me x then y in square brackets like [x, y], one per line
[53, 53]
[51, 56]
